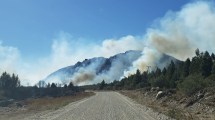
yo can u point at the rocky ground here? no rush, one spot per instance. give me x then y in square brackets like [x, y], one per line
[199, 106]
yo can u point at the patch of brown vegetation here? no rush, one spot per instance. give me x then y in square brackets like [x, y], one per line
[40, 105]
[48, 103]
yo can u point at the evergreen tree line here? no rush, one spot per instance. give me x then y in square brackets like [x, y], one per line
[10, 88]
[187, 76]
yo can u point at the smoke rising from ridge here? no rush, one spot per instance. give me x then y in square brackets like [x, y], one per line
[177, 34]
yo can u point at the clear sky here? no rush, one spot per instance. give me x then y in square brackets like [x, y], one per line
[31, 25]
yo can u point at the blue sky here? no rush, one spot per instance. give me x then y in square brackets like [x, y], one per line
[31, 25]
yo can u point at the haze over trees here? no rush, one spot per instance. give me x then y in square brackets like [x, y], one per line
[187, 76]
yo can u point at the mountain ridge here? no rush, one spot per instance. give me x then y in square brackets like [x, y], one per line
[95, 69]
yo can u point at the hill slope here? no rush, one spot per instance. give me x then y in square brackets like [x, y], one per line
[96, 69]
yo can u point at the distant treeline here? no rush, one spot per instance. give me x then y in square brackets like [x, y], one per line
[187, 76]
[10, 88]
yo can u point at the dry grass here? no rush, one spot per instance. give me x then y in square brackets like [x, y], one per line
[40, 105]
[54, 103]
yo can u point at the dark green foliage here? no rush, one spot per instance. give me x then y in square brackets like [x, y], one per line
[195, 65]
[186, 68]
[159, 82]
[137, 77]
[206, 65]
[213, 56]
[197, 52]
[164, 71]
[53, 85]
[170, 70]
[158, 72]
[9, 82]
[65, 86]
[70, 86]
[213, 69]
[102, 85]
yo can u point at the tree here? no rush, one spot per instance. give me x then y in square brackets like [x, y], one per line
[186, 68]
[48, 85]
[6, 81]
[206, 65]
[164, 71]
[53, 85]
[213, 56]
[197, 52]
[213, 68]
[41, 84]
[170, 70]
[102, 85]
[70, 86]
[195, 65]
[137, 78]
[65, 86]
[15, 81]
[158, 72]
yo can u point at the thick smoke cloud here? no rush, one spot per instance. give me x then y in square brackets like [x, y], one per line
[177, 34]
[180, 33]
[65, 51]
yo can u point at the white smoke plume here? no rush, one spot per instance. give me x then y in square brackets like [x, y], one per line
[9, 58]
[65, 51]
[177, 34]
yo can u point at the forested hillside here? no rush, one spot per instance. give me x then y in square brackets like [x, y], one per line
[186, 76]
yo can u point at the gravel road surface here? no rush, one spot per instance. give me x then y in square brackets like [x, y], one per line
[102, 106]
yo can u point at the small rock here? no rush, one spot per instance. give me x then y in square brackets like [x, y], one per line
[160, 94]
[146, 94]
[200, 95]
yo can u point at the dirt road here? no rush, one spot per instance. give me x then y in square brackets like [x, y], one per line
[102, 106]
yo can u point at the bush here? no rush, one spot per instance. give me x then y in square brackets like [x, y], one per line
[160, 82]
[211, 80]
[192, 84]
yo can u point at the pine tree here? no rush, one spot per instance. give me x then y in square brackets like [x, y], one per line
[164, 71]
[195, 65]
[102, 85]
[70, 86]
[206, 65]
[186, 68]
[197, 52]
[137, 77]
[53, 85]
[213, 68]
[170, 70]
[158, 72]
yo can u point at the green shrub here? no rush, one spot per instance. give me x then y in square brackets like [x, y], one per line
[192, 84]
